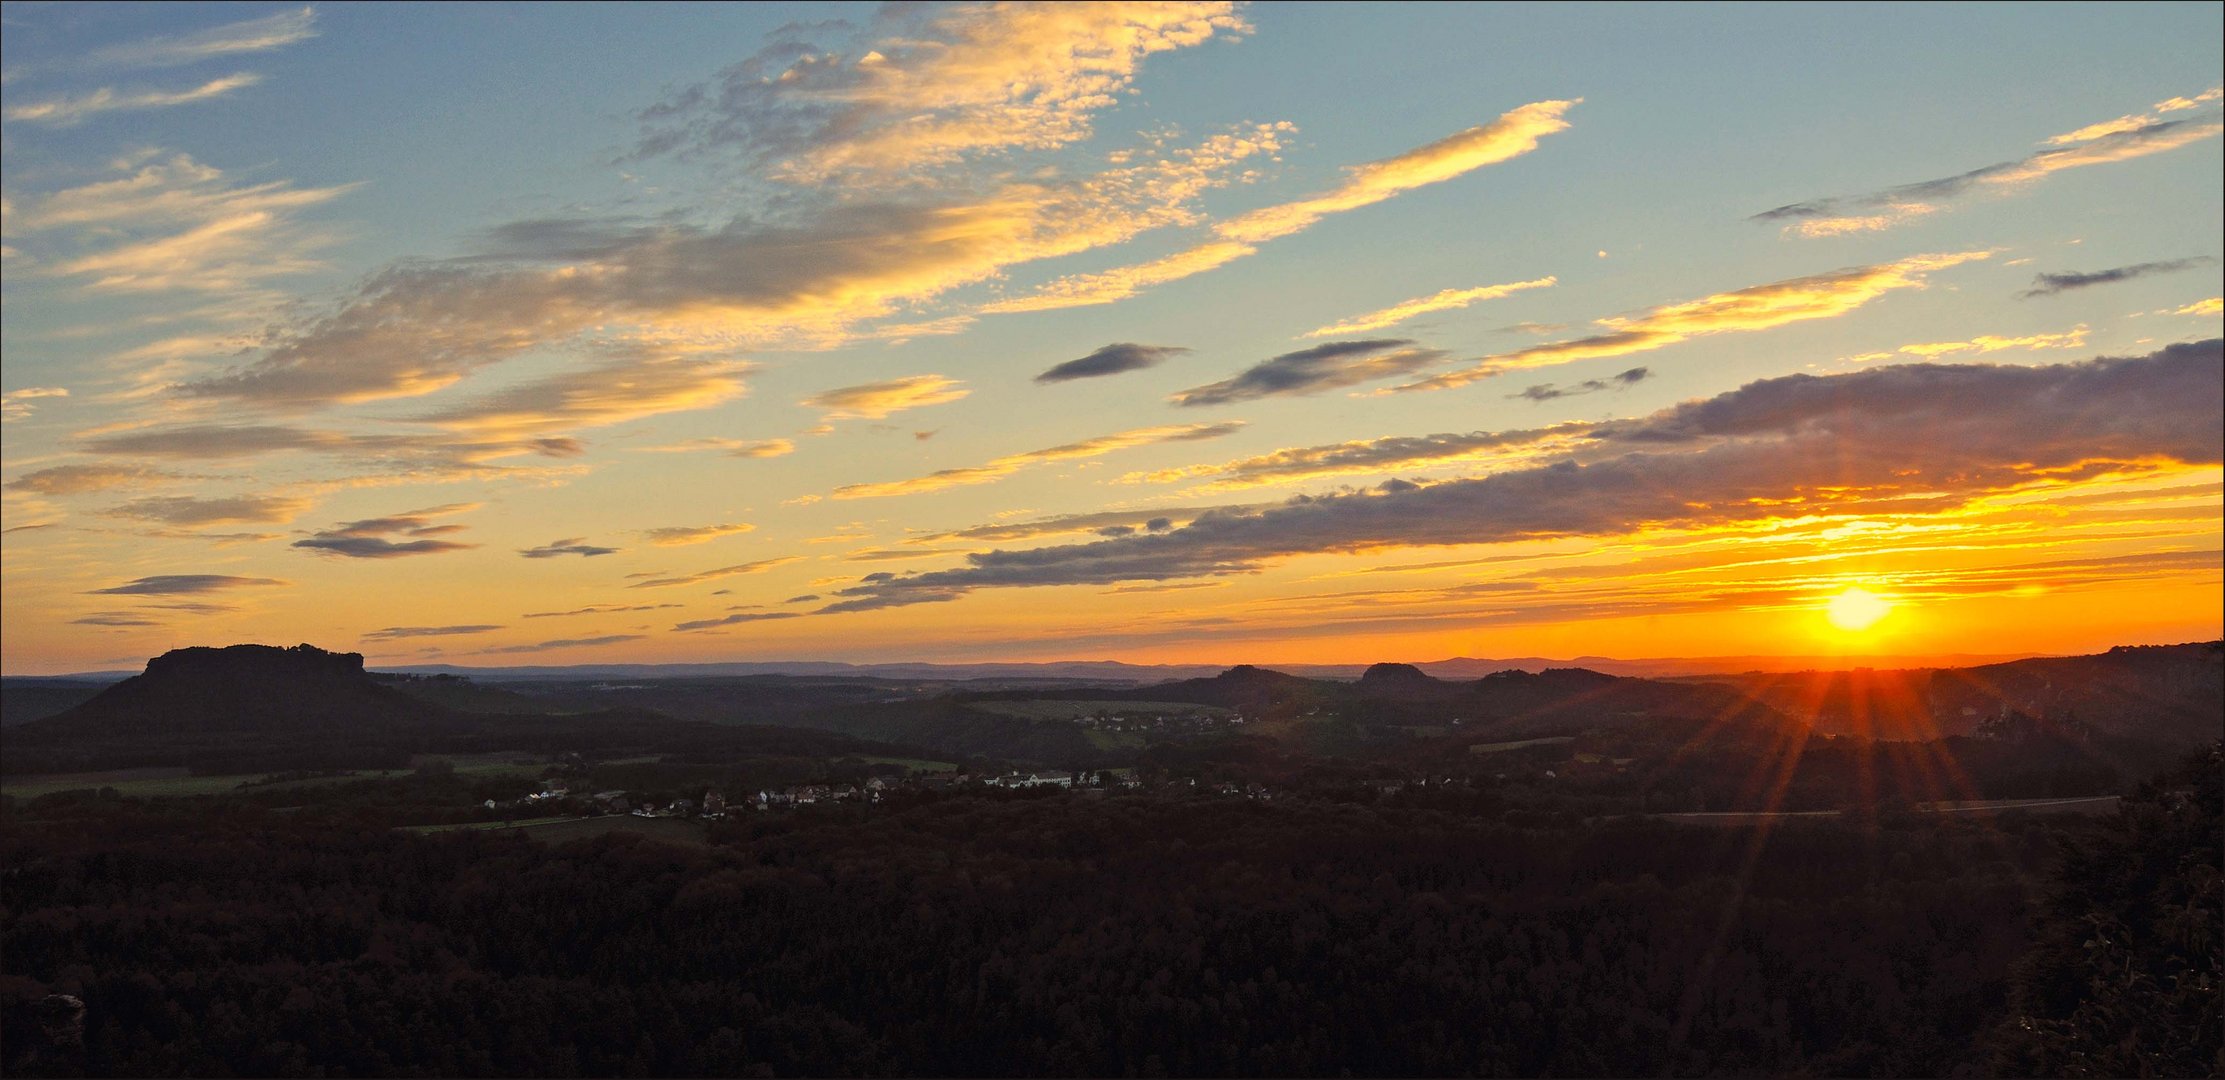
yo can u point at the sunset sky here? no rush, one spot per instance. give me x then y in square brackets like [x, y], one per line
[1158, 332]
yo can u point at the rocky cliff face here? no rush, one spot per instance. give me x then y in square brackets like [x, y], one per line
[258, 661]
[246, 688]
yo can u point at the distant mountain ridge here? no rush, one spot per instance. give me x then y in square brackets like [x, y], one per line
[2161, 692]
[1458, 667]
[263, 707]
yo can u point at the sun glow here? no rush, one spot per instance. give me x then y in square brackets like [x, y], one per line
[1857, 609]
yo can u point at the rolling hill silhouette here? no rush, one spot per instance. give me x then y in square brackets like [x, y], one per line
[260, 707]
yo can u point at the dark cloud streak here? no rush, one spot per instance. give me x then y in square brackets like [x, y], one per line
[1310, 371]
[2050, 284]
[1909, 438]
[1113, 359]
[1549, 392]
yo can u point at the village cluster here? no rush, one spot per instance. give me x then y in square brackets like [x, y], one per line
[557, 795]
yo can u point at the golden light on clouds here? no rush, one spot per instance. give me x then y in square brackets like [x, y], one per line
[719, 341]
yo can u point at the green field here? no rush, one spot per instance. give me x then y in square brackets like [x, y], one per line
[1075, 710]
[920, 764]
[495, 764]
[159, 783]
[671, 830]
[480, 826]
[557, 830]
[155, 783]
[1502, 747]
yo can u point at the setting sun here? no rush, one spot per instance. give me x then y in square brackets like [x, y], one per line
[1857, 609]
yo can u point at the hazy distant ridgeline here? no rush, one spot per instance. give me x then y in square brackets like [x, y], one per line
[257, 707]
[2046, 726]
[2169, 693]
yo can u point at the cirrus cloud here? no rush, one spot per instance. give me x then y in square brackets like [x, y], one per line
[682, 535]
[999, 468]
[1444, 300]
[1513, 134]
[572, 545]
[1322, 367]
[367, 538]
[1760, 307]
[875, 401]
[934, 86]
[185, 584]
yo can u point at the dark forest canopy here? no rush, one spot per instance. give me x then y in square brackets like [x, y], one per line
[1395, 876]
[1428, 935]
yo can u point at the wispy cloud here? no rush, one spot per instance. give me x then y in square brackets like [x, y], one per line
[1002, 467]
[367, 539]
[683, 535]
[430, 456]
[1445, 300]
[2050, 284]
[1513, 134]
[758, 567]
[235, 510]
[1550, 392]
[1761, 307]
[16, 404]
[1155, 520]
[896, 554]
[561, 643]
[2073, 338]
[1914, 439]
[185, 584]
[807, 278]
[875, 401]
[273, 31]
[2136, 121]
[67, 111]
[2098, 144]
[598, 609]
[735, 448]
[929, 87]
[637, 383]
[1171, 586]
[397, 633]
[84, 479]
[1114, 359]
[736, 620]
[172, 223]
[2215, 305]
[1311, 371]
[1510, 136]
[572, 545]
[1369, 457]
[116, 619]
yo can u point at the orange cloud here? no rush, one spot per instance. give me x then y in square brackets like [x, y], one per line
[682, 535]
[1422, 305]
[1002, 467]
[758, 567]
[1513, 134]
[2073, 338]
[2116, 140]
[874, 401]
[1761, 307]
[935, 87]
